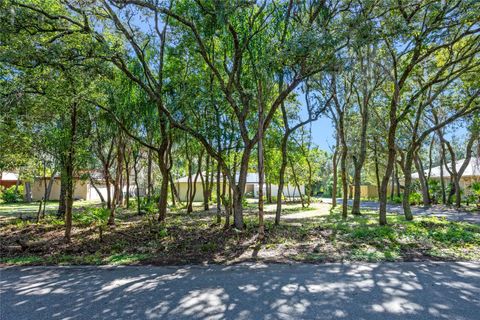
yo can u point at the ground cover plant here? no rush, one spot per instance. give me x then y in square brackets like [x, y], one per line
[196, 238]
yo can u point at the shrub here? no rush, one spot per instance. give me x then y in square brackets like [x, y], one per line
[95, 217]
[434, 190]
[397, 199]
[146, 207]
[415, 198]
[13, 194]
[476, 192]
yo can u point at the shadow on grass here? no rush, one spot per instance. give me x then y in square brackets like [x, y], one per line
[195, 238]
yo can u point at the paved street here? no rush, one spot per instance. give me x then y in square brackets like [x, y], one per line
[449, 212]
[249, 291]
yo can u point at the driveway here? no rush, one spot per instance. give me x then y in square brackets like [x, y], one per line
[249, 291]
[450, 213]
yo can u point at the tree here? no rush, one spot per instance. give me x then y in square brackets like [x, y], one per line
[448, 24]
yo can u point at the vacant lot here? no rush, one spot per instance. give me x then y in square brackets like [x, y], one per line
[315, 234]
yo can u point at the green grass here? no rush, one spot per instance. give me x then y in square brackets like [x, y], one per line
[23, 260]
[90, 259]
[195, 237]
[30, 209]
[123, 258]
[434, 236]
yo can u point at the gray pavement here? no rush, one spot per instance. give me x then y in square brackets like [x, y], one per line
[449, 212]
[413, 290]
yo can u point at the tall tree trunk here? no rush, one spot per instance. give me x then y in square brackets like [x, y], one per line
[297, 185]
[442, 181]
[45, 185]
[390, 163]
[206, 184]
[269, 192]
[218, 195]
[261, 170]
[423, 180]
[117, 187]
[162, 202]
[357, 178]
[189, 185]
[92, 182]
[397, 181]
[63, 191]
[455, 174]
[165, 164]
[392, 185]
[238, 189]
[281, 181]
[308, 192]
[50, 185]
[227, 204]
[149, 175]
[407, 172]
[28, 192]
[106, 173]
[377, 167]
[121, 182]
[137, 187]
[194, 184]
[43, 200]
[127, 177]
[335, 173]
[458, 193]
[343, 173]
[69, 167]
[175, 196]
[365, 115]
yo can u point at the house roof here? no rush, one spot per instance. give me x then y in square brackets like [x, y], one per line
[473, 169]
[8, 176]
[251, 178]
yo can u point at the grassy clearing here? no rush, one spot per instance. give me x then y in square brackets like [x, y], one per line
[17, 210]
[195, 238]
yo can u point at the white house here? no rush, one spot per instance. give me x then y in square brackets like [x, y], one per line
[251, 188]
[471, 174]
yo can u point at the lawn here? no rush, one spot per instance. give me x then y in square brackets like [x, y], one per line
[195, 238]
[19, 210]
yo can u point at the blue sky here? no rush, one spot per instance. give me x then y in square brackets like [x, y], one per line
[323, 133]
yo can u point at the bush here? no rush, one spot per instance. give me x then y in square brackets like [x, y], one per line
[435, 190]
[415, 198]
[12, 195]
[95, 217]
[476, 192]
[146, 207]
[397, 199]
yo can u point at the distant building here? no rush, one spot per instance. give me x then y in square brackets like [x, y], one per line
[8, 179]
[83, 189]
[471, 174]
[251, 188]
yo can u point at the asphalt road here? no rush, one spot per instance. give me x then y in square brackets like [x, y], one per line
[250, 291]
[448, 212]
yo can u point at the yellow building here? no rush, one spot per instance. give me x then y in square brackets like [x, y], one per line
[83, 190]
